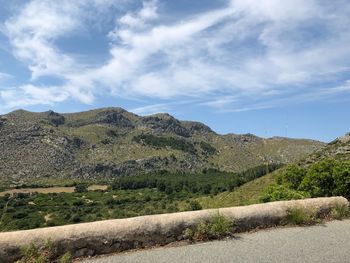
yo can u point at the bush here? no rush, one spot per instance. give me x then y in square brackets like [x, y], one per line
[220, 226]
[341, 176]
[66, 258]
[162, 142]
[217, 227]
[291, 177]
[207, 148]
[280, 192]
[340, 212]
[195, 205]
[299, 216]
[80, 188]
[318, 180]
[325, 178]
[31, 253]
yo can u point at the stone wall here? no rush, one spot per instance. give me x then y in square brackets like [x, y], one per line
[118, 235]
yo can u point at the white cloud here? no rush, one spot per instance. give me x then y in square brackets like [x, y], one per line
[220, 103]
[5, 76]
[140, 18]
[33, 31]
[151, 109]
[28, 95]
[249, 52]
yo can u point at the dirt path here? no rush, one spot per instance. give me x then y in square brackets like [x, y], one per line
[49, 190]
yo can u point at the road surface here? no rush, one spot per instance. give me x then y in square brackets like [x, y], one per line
[323, 243]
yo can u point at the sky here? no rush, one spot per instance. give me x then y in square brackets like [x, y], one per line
[269, 67]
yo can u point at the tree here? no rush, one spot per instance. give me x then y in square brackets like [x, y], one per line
[206, 189]
[80, 188]
[319, 180]
[341, 176]
[195, 205]
[169, 189]
[292, 176]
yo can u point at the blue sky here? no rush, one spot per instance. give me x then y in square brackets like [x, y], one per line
[270, 67]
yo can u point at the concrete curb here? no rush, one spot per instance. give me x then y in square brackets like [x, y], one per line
[118, 235]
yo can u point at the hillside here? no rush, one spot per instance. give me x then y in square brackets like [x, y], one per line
[319, 166]
[338, 149]
[110, 142]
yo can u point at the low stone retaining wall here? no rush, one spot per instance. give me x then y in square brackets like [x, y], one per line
[118, 235]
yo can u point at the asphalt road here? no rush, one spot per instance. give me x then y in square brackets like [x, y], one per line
[323, 243]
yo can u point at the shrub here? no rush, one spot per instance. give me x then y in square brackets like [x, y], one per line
[325, 178]
[220, 226]
[195, 205]
[29, 252]
[319, 179]
[32, 254]
[162, 142]
[207, 148]
[78, 202]
[66, 258]
[280, 192]
[341, 176]
[340, 212]
[299, 216]
[80, 188]
[291, 177]
[76, 218]
[217, 227]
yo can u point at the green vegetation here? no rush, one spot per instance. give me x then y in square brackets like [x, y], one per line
[207, 148]
[126, 197]
[211, 181]
[34, 254]
[80, 188]
[300, 216]
[328, 177]
[195, 205]
[280, 192]
[66, 258]
[217, 227]
[162, 142]
[248, 193]
[340, 212]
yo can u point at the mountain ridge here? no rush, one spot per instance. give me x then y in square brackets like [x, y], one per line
[108, 142]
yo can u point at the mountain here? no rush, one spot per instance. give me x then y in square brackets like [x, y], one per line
[338, 149]
[110, 142]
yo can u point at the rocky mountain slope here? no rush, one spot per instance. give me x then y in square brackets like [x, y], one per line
[338, 149]
[112, 142]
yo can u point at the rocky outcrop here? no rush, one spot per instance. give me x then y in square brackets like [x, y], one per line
[196, 127]
[111, 236]
[243, 138]
[114, 118]
[137, 167]
[55, 118]
[165, 123]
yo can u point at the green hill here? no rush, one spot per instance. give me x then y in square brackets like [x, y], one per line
[326, 172]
